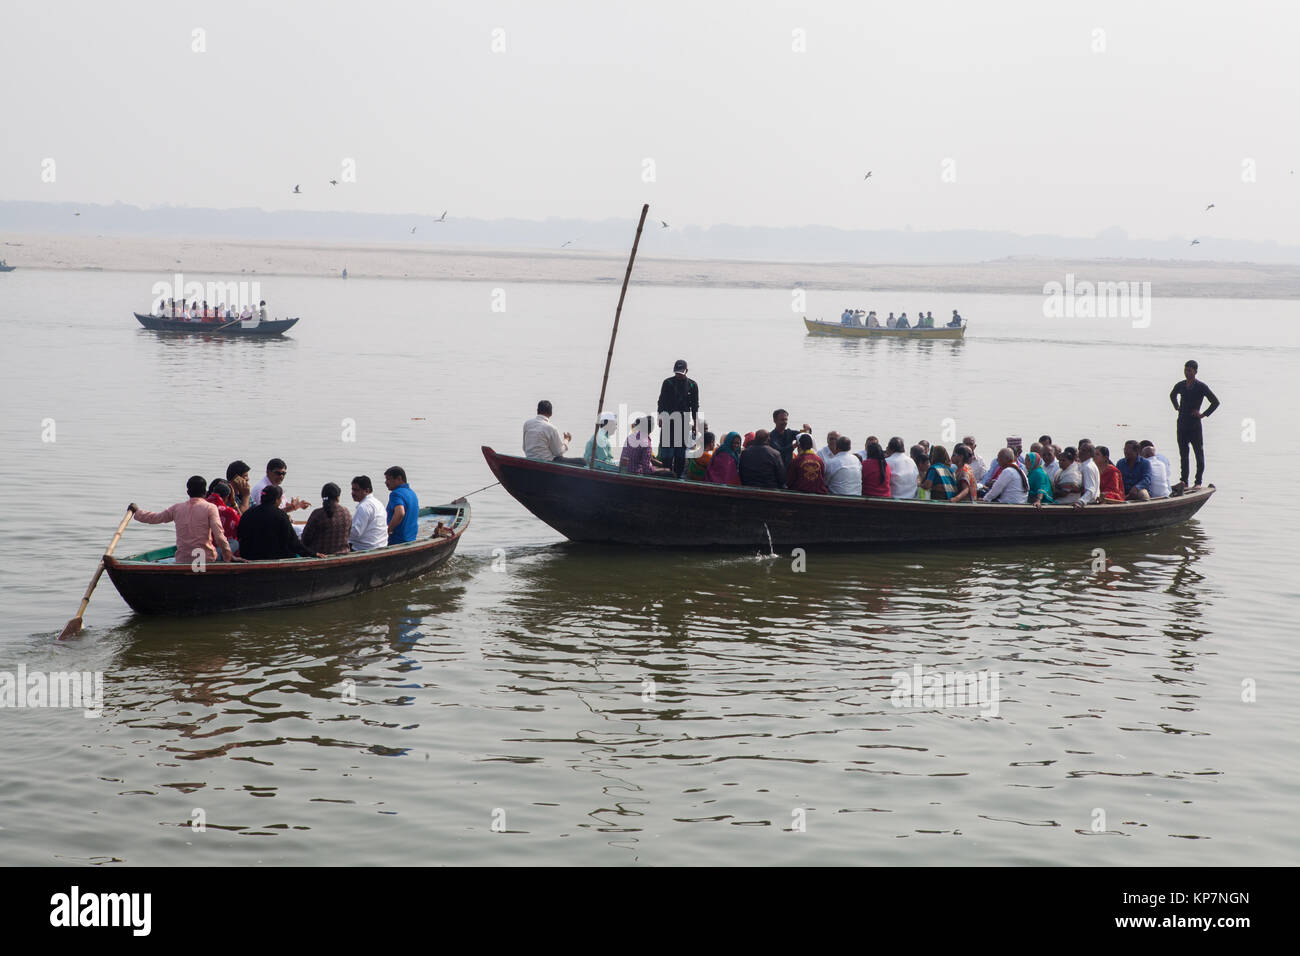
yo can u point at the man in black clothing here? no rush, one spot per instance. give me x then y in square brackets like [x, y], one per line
[679, 407]
[266, 533]
[760, 464]
[1186, 397]
[783, 438]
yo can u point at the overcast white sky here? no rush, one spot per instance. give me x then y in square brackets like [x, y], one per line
[1046, 134]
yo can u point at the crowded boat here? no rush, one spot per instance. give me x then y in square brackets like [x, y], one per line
[199, 311]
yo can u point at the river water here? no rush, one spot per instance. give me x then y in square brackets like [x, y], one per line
[540, 702]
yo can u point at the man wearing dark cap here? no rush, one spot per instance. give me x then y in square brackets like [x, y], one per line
[1186, 397]
[679, 407]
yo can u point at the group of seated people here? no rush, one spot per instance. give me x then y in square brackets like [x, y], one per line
[200, 311]
[925, 320]
[227, 518]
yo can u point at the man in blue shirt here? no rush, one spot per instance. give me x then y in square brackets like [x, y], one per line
[403, 507]
[1136, 472]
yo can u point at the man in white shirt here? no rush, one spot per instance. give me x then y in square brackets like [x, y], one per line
[370, 521]
[978, 466]
[276, 469]
[1090, 475]
[543, 441]
[844, 470]
[902, 470]
[1011, 487]
[829, 452]
[1159, 473]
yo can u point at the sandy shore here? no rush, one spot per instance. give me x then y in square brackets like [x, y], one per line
[232, 257]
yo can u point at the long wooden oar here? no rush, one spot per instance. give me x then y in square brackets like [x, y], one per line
[609, 357]
[75, 624]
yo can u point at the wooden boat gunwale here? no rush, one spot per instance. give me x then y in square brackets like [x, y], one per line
[164, 323]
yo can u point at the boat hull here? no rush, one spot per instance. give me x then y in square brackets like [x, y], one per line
[156, 323]
[150, 587]
[861, 332]
[595, 506]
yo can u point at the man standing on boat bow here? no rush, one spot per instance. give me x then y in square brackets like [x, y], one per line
[679, 404]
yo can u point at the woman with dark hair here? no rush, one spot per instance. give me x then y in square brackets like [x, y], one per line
[963, 475]
[940, 482]
[1068, 483]
[221, 495]
[329, 525]
[875, 472]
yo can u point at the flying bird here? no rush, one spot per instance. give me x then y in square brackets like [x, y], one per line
[443, 217]
[76, 214]
[334, 182]
[1196, 242]
[568, 242]
[868, 175]
[413, 230]
[665, 225]
[1209, 207]
[296, 189]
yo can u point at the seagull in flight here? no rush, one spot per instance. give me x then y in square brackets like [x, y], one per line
[1196, 242]
[297, 189]
[443, 217]
[334, 182]
[664, 224]
[868, 175]
[569, 242]
[1209, 207]
[413, 230]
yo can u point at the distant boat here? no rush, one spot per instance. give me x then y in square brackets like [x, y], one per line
[6, 268]
[862, 332]
[159, 323]
[151, 584]
[599, 506]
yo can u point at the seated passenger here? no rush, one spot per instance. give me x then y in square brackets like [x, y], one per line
[697, 468]
[1040, 485]
[902, 471]
[542, 440]
[761, 465]
[891, 322]
[872, 321]
[844, 471]
[266, 533]
[875, 472]
[963, 474]
[828, 452]
[1011, 486]
[724, 469]
[1136, 472]
[1068, 483]
[1111, 482]
[329, 525]
[1160, 486]
[956, 320]
[370, 523]
[221, 495]
[198, 525]
[403, 507]
[636, 458]
[604, 456]
[940, 482]
[902, 322]
[807, 471]
[920, 455]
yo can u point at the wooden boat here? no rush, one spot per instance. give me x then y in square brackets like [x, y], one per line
[597, 506]
[7, 268]
[159, 323]
[861, 332]
[151, 587]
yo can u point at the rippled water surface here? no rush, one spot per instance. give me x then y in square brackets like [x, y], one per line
[541, 702]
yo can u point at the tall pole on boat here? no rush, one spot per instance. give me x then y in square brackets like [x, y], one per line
[591, 459]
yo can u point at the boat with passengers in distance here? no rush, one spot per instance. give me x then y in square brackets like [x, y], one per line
[151, 586]
[235, 327]
[863, 332]
[599, 506]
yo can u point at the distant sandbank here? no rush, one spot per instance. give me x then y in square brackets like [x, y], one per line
[233, 257]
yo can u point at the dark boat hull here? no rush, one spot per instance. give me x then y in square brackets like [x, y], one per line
[595, 506]
[156, 323]
[175, 590]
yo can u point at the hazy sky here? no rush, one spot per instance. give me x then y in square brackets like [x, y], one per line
[1045, 133]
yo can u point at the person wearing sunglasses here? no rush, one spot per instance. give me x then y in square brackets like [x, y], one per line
[275, 472]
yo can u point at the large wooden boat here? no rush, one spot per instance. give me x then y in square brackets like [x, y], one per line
[862, 332]
[150, 586]
[597, 506]
[160, 323]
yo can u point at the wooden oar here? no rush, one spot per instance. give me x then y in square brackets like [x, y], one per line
[609, 357]
[74, 625]
[229, 324]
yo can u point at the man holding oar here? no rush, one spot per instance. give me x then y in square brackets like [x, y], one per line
[198, 524]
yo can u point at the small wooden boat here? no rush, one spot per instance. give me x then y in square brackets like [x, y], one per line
[861, 332]
[160, 323]
[152, 587]
[7, 268]
[598, 506]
